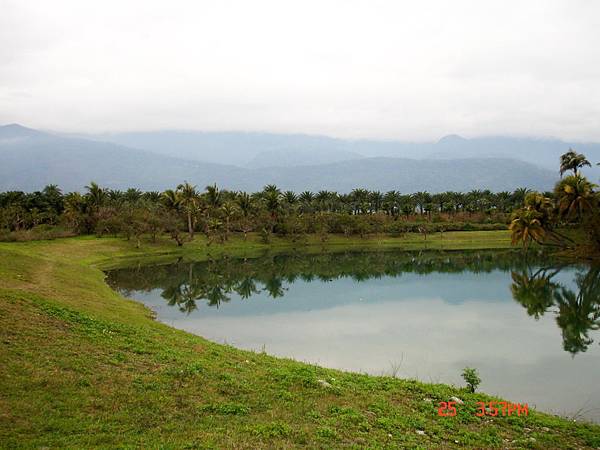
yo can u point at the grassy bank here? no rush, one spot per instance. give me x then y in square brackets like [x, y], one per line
[83, 367]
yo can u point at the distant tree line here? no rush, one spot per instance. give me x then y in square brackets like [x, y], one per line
[217, 213]
[567, 218]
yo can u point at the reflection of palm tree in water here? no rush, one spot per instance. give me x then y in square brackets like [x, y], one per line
[246, 288]
[534, 292]
[577, 310]
[577, 313]
[274, 286]
[216, 295]
[184, 295]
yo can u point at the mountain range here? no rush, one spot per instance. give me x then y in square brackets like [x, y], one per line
[31, 159]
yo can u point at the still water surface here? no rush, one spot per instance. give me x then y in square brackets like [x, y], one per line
[528, 325]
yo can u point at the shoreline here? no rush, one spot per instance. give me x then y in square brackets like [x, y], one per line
[213, 394]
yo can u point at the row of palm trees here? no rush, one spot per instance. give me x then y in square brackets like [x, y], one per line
[214, 207]
[539, 215]
[222, 204]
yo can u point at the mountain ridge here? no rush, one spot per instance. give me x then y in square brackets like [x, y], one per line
[38, 159]
[244, 149]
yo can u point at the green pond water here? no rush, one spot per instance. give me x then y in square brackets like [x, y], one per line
[527, 323]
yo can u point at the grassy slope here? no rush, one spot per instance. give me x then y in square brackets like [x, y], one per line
[83, 367]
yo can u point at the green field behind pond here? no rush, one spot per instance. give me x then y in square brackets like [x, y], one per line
[83, 367]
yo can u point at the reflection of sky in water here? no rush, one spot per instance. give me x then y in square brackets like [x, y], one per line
[430, 325]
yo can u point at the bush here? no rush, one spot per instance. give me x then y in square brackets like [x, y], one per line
[40, 232]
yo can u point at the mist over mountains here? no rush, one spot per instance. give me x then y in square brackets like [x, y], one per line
[30, 159]
[271, 149]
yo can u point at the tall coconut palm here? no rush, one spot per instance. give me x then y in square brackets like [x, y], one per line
[575, 197]
[572, 161]
[542, 205]
[171, 199]
[214, 197]
[189, 202]
[229, 210]
[525, 227]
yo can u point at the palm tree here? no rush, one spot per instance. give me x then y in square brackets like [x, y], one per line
[322, 200]
[541, 204]
[246, 288]
[115, 196]
[502, 200]
[306, 199]
[189, 202]
[572, 161]
[525, 227]
[518, 196]
[245, 204]
[272, 200]
[271, 188]
[421, 199]
[290, 197]
[229, 210]
[152, 196]
[132, 195]
[96, 195]
[407, 201]
[376, 199]
[214, 197]
[171, 199]
[391, 203]
[359, 198]
[575, 197]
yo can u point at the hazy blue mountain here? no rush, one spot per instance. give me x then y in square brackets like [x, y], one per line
[237, 148]
[15, 132]
[411, 175]
[30, 160]
[543, 152]
[270, 149]
[300, 157]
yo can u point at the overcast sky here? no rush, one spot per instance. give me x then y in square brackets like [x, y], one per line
[413, 70]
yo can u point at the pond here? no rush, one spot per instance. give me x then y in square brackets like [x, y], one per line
[527, 323]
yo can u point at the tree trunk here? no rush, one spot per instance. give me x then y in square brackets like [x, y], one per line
[190, 226]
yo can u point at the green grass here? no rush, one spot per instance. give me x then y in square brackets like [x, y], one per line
[83, 367]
